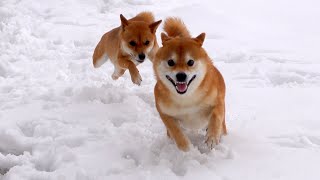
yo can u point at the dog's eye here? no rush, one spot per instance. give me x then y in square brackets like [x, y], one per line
[132, 43]
[171, 62]
[190, 62]
[147, 42]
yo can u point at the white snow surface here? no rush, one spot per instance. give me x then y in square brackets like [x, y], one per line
[61, 119]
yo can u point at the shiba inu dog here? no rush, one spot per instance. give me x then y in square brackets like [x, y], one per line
[128, 45]
[190, 91]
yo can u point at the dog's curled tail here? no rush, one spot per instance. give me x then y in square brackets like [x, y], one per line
[145, 16]
[175, 27]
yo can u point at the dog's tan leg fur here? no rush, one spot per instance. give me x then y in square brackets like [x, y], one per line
[225, 132]
[124, 63]
[174, 131]
[216, 126]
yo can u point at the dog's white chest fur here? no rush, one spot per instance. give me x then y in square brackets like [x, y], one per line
[194, 120]
[190, 117]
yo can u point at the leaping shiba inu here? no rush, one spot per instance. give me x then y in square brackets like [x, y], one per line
[190, 91]
[128, 45]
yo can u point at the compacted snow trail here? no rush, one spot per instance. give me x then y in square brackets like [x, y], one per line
[62, 119]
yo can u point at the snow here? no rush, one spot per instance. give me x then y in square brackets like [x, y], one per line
[60, 118]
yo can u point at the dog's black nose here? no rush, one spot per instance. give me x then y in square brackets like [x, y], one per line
[181, 77]
[142, 56]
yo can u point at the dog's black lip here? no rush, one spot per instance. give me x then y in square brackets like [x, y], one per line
[174, 84]
[171, 80]
[140, 61]
[193, 77]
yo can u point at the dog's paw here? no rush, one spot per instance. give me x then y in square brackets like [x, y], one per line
[213, 138]
[212, 141]
[117, 73]
[136, 79]
[114, 76]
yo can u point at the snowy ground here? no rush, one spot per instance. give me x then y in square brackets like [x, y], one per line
[62, 119]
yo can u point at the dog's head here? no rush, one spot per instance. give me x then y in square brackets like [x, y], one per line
[138, 38]
[181, 63]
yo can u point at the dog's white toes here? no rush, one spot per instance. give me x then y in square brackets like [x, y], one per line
[114, 76]
[212, 142]
[137, 80]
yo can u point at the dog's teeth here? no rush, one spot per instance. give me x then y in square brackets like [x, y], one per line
[180, 83]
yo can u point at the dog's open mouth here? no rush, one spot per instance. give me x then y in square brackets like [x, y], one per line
[181, 87]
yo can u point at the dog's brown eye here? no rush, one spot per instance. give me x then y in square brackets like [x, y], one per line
[147, 42]
[190, 62]
[132, 43]
[171, 62]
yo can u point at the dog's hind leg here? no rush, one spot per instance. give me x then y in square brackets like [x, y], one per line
[100, 61]
[99, 56]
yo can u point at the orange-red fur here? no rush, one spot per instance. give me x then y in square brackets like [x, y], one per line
[174, 27]
[203, 105]
[115, 45]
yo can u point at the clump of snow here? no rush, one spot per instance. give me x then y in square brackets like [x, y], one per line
[3, 71]
[62, 119]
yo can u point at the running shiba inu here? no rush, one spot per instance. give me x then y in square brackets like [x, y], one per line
[128, 45]
[190, 91]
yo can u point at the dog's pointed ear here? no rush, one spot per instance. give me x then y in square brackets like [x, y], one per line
[164, 38]
[199, 39]
[153, 27]
[124, 21]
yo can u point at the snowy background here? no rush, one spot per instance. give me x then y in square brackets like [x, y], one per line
[61, 119]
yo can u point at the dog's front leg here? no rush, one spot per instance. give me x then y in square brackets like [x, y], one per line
[118, 71]
[125, 63]
[175, 132]
[216, 125]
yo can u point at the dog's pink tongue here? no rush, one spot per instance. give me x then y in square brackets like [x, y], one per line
[182, 87]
